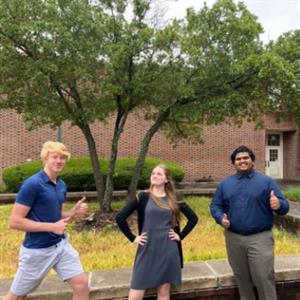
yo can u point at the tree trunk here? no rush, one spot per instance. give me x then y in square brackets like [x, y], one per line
[98, 176]
[143, 152]
[85, 128]
[109, 186]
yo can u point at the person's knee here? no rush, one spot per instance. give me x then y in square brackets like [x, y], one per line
[164, 291]
[263, 274]
[80, 283]
[136, 294]
[83, 283]
[263, 282]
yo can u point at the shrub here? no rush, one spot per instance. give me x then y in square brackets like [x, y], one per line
[293, 194]
[15, 175]
[78, 173]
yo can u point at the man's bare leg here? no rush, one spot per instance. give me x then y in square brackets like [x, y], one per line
[11, 296]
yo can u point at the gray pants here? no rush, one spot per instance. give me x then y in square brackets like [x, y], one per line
[251, 258]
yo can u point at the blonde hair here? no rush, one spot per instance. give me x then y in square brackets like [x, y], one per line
[170, 191]
[57, 147]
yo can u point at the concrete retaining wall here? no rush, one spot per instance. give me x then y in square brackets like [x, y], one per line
[91, 196]
[201, 280]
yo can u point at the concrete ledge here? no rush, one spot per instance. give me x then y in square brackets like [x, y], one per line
[201, 280]
[74, 196]
[291, 221]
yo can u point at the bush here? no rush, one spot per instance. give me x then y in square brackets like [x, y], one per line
[15, 175]
[293, 194]
[78, 173]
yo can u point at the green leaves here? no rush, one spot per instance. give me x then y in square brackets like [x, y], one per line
[82, 60]
[53, 48]
[286, 75]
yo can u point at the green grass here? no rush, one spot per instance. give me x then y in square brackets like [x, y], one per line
[110, 249]
[293, 194]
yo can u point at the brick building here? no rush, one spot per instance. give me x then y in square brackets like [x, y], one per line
[277, 147]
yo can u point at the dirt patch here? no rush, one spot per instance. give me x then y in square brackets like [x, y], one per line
[103, 221]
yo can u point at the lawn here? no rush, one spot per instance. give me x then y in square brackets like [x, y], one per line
[110, 249]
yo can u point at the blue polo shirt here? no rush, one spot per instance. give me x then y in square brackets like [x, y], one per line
[45, 200]
[246, 201]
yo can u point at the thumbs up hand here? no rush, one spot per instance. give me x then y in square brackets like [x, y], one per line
[274, 202]
[80, 208]
[225, 221]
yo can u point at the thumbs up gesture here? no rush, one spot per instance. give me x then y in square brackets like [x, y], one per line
[80, 208]
[225, 221]
[274, 202]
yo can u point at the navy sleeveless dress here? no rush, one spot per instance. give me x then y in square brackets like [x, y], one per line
[158, 261]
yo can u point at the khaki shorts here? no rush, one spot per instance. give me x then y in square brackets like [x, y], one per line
[34, 265]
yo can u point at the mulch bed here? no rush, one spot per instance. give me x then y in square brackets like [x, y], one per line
[103, 221]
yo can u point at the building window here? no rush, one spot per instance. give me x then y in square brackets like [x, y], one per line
[273, 139]
[273, 154]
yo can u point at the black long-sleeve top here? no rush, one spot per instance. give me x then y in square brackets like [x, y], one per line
[139, 205]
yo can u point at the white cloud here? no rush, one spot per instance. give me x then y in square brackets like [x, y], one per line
[276, 16]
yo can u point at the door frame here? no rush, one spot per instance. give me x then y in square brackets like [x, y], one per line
[280, 153]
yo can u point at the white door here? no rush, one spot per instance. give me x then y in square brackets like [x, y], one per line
[274, 155]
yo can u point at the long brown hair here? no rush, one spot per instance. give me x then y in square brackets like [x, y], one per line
[171, 195]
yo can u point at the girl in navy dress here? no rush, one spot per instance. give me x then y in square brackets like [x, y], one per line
[158, 259]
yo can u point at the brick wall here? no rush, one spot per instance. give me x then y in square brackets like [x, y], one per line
[208, 159]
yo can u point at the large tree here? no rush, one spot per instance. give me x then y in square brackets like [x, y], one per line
[76, 61]
[285, 90]
[85, 61]
[50, 67]
[219, 71]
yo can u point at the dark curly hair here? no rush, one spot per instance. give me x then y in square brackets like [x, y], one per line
[242, 149]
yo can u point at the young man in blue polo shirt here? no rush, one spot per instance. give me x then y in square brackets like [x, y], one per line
[38, 211]
[244, 204]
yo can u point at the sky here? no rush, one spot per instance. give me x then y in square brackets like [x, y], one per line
[276, 16]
